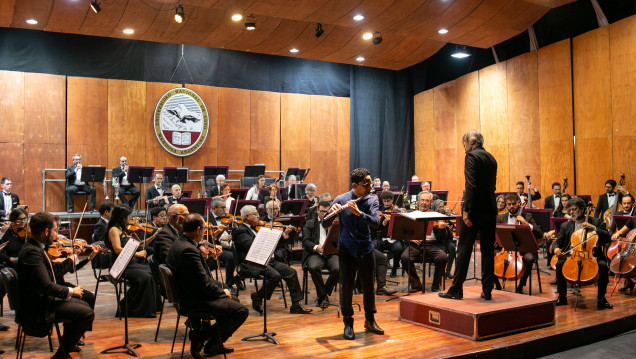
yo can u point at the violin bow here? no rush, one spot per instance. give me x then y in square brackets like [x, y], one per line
[73, 242]
[216, 256]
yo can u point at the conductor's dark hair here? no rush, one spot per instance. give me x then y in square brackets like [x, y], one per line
[191, 222]
[611, 182]
[359, 174]
[556, 184]
[386, 195]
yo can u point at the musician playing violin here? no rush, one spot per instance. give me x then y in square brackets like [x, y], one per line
[433, 248]
[577, 208]
[169, 233]
[382, 241]
[515, 216]
[631, 224]
[13, 233]
[273, 210]
[224, 239]
[628, 210]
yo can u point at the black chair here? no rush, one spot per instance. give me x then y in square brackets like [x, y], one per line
[102, 262]
[10, 280]
[241, 276]
[173, 297]
[306, 275]
[156, 276]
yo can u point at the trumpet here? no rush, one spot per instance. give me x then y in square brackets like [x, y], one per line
[105, 184]
[115, 181]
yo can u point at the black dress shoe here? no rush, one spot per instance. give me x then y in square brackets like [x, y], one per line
[81, 343]
[3, 327]
[76, 349]
[297, 308]
[256, 303]
[415, 290]
[372, 327]
[486, 295]
[603, 304]
[386, 291]
[349, 334]
[554, 282]
[519, 290]
[239, 283]
[451, 295]
[449, 276]
[628, 285]
[216, 349]
[562, 300]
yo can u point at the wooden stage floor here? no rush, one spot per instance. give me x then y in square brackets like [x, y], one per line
[319, 334]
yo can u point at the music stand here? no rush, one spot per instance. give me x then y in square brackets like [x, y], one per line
[259, 255]
[93, 174]
[239, 193]
[517, 238]
[175, 175]
[413, 188]
[254, 171]
[443, 195]
[213, 171]
[116, 271]
[299, 190]
[298, 172]
[556, 222]
[295, 206]
[140, 174]
[197, 205]
[331, 242]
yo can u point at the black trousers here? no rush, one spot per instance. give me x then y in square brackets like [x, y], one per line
[528, 263]
[451, 249]
[78, 318]
[227, 257]
[365, 268]
[315, 264]
[485, 228]
[603, 277]
[432, 253]
[273, 273]
[229, 315]
[396, 251]
[71, 190]
[134, 194]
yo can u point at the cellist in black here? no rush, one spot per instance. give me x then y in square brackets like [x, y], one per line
[577, 208]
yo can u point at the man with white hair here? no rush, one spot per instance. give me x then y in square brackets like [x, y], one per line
[125, 185]
[289, 192]
[216, 189]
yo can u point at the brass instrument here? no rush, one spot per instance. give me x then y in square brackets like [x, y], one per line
[105, 184]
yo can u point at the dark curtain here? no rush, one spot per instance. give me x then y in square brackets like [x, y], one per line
[382, 124]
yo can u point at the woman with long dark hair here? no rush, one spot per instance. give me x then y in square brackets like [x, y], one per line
[142, 295]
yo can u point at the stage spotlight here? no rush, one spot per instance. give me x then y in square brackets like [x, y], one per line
[319, 30]
[460, 53]
[95, 6]
[179, 16]
[250, 22]
[377, 38]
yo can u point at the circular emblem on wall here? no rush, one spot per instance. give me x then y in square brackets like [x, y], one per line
[181, 121]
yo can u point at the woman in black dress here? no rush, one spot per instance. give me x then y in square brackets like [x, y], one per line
[13, 236]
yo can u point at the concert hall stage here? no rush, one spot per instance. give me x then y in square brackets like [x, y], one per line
[319, 335]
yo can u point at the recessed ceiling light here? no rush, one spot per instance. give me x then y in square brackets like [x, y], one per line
[359, 58]
[129, 31]
[237, 17]
[32, 21]
[358, 17]
[443, 31]
[367, 36]
[294, 50]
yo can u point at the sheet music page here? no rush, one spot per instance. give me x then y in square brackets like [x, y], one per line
[124, 258]
[263, 246]
[415, 215]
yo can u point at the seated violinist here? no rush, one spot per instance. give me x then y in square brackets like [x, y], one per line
[382, 241]
[14, 234]
[516, 216]
[563, 245]
[628, 210]
[243, 237]
[433, 247]
[169, 233]
[224, 239]
[273, 209]
[630, 225]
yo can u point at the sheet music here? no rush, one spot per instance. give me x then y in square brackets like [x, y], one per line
[263, 246]
[415, 215]
[124, 258]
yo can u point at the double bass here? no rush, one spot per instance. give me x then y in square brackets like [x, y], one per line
[608, 216]
[581, 268]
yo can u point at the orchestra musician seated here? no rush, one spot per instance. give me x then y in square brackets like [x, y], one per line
[224, 239]
[105, 212]
[272, 211]
[74, 183]
[274, 194]
[628, 227]
[169, 233]
[176, 195]
[14, 234]
[9, 200]
[310, 195]
[562, 246]
[386, 186]
[227, 196]
[314, 237]
[433, 247]
[155, 195]
[121, 173]
[628, 210]
[313, 212]
[243, 236]
[562, 209]
[290, 190]
[252, 194]
[43, 300]
[215, 190]
[201, 294]
[523, 194]
[516, 216]
[552, 201]
[607, 199]
[382, 241]
[501, 204]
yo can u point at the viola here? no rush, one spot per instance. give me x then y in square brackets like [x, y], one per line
[624, 263]
[229, 219]
[507, 267]
[262, 224]
[208, 249]
[22, 232]
[137, 226]
[581, 267]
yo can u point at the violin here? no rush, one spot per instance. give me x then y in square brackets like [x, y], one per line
[63, 247]
[262, 224]
[581, 267]
[208, 249]
[624, 262]
[229, 219]
[136, 226]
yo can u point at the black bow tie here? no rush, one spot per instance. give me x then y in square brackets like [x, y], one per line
[612, 194]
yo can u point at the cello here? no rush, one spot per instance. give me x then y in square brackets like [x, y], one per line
[505, 265]
[624, 263]
[581, 268]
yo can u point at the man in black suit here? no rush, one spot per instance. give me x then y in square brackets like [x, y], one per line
[215, 190]
[243, 237]
[272, 211]
[74, 183]
[523, 194]
[176, 195]
[289, 191]
[201, 294]
[43, 300]
[224, 239]
[105, 211]
[121, 173]
[552, 201]
[621, 233]
[479, 215]
[515, 216]
[563, 244]
[314, 237]
[607, 199]
[156, 195]
[169, 233]
[628, 210]
[9, 200]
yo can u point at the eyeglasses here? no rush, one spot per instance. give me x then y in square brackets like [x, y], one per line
[365, 184]
[21, 219]
[162, 216]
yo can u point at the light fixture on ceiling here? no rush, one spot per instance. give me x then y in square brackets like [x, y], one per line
[358, 17]
[319, 30]
[129, 31]
[359, 58]
[442, 31]
[95, 6]
[377, 38]
[250, 22]
[32, 22]
[367, 36]
[293, 50]
[237, 17]
[460, 53]
[179, 16]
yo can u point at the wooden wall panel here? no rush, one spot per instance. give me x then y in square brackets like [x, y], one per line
[344, 125]
[15, 168]
[87, 111]
[623, 87]
[265, 129]
[234, 129]
[445, 138]
[126, 122]
[296, 132]
[555, 115]
[592, 111]
[44, 108]
[493, 114]
[12, 105]
[424, 116]
[523, 119]
[155, 154]
[324, 142]
[466, 118]
[45, 155]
